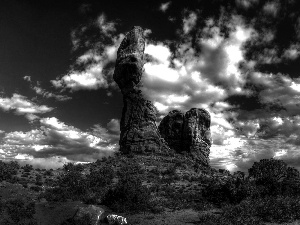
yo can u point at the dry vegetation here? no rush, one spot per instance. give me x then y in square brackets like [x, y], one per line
[153, 189]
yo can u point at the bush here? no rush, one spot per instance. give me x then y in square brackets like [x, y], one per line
[72, 167]
[48, 173]
[36, 188]
[100, 177]
[16, 211]
[8, 169]
[74, 183]
[27, 168]
[129, 194]
[99, 181]
[84, 220]
[256, 211]
[269, 173]
[218, 191]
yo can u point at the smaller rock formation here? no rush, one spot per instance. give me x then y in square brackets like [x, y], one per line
[139, 132]
[189, 132]
[170, 129]
[196, 137]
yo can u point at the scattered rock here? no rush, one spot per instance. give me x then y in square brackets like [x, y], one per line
[139, 132]
[116, 220]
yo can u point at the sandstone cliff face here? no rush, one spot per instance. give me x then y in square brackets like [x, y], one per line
[170, 129]
[189, 132]
[139, 132]
[196, 134]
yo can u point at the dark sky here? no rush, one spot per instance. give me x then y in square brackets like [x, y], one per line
[237, 59]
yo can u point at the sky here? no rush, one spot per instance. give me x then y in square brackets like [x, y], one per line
[238, 59]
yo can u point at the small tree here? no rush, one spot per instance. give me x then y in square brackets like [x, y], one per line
[71, 166]
[8, 169]
[269, 173]
[28, 168]
[291, 183]
[129, 194]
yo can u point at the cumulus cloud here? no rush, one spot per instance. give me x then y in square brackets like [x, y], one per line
[205, 69]
[189, 22]
[246, 3]
[46, 94]
[96, 60]
[20, 105]
[194, 80]
[164, 6]
[55, 138]
[271, 8]
[292, 52]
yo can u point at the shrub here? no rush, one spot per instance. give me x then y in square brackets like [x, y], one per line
[100, 176]
[99, 180]
[36, 188]
[48, 173]
[74, 183]
[71, 166]
[27, 168]
[8, 169]
[256, 211]
[129, 194]
[217, 191]
[17, 211]
[269, 173]
[83, 220]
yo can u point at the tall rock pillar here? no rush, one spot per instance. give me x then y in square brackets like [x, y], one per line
[139, 132]
[196, 137]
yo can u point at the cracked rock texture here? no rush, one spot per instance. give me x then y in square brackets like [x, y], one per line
[170, 129]
[189, 132]
[139, 132]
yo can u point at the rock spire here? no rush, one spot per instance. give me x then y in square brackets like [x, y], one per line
[139, 132]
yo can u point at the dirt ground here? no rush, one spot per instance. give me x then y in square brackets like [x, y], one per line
[177, 217]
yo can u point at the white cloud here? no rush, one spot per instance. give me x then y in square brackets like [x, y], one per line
[96, 73]
[22, 106]
[271, 8]
[92, 78]
[159, 51]
[189, 22]
[164, 6]
[106, 27]
[46, 94]
[292, 52]
[114, 126]
[54, 137]
[246, 3]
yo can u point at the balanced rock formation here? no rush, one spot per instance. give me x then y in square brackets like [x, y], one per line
[189, 132]
[139, 132]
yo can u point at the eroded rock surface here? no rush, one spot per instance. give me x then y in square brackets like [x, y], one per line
[139, 132]
[189, 132]
[170, 129]
[196, 135]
